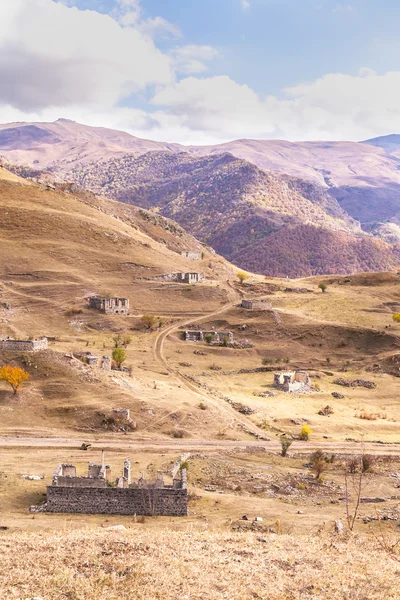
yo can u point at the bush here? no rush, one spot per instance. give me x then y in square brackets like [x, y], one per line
[322, 286]
[367, 462]
[178, 433]
[285, 445]
[119, 356]
[209, 338]
[396, 317]
[242, 276]
[203, 406]
[148, 321]
[319, 463]
[305, 433]
[74, 310]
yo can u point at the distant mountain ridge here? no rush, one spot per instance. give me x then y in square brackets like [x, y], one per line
[242, 197]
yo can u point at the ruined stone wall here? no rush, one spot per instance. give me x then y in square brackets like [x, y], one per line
[80, 482]
[24, 345]
[117, 501]
[192, 255]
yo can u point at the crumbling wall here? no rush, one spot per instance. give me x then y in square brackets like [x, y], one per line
[219, 337]
[24, 345]
[191, 255]
[292, 381]
[117, 501]
[110, 306]
[256, 304]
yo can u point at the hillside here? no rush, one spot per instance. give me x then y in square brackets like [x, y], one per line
[63, 144]
[56, 249]
[363, 177]
[265, 222]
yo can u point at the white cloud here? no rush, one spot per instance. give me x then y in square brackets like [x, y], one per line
[344, 8]
[245, 4]
[159, 27]
[336, 106]
[191, 59]
[57, 61]
[52, 55]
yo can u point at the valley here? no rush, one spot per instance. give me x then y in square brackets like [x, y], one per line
[217, 403]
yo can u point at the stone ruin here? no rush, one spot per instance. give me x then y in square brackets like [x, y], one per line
[292, 381]
[193, 277]
[24, 345]
[219, 337]
[110, 306]
[256, 304]
[181, 277]
[93, 360]
[95, 493]
[191, 255]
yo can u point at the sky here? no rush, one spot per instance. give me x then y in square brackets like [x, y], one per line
[205, 71]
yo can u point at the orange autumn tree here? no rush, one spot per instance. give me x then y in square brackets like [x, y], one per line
[15, 376]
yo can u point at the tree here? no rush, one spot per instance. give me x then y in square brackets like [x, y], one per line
[319, 463]
[117, 339]
[119, 356]
[148, 321]
[322, 286]
[242, 276]
[396, 317]
[15, 376]
[209, 338]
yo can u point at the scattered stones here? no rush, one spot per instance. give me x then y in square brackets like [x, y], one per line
[325, 412]
[115, 528]
[370, 385]
[337, 395]
[33, 477]
[372, 500]
[266, 394]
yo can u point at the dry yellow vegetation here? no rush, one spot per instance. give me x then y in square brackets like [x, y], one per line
[57, 248]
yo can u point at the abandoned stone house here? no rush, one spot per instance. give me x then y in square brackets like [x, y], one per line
[110, 306]
[24, 345]
[96, 494]
[191, 255]
[193, 277]
[219, 337]
[292, 381]
[256, 304]
[94, 361]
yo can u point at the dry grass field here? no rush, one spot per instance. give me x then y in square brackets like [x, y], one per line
[110, 565]
[57, 248]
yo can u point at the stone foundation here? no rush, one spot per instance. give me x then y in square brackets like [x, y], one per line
[24, 345]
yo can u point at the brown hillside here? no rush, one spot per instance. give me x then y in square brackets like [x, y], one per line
[266, 223]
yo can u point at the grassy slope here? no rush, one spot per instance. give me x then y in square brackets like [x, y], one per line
[169, 565]
[265, 222]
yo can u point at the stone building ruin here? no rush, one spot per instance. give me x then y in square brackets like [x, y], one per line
[256, 304]
[24, 345]
[110, 306]
[95, 493]
[192, 277]
[191, 255]
[292, 381]
[219, 337]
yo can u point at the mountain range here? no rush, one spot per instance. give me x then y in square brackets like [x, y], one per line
[274, 207]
